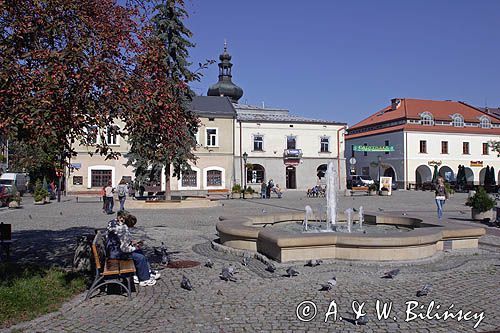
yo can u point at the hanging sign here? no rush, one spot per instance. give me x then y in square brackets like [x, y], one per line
[476, 163]
[432, 163]
[373, 149]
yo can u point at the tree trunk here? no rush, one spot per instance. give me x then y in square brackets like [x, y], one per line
[168, 195]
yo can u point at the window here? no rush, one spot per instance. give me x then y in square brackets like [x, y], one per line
[189, 178]
[386, 144]
[465, 148]
[111, 136]
[291, 142]
[365, 153]
[258, 142]
[212, 138]
[486, 148]
[255, 174]
[426, 119]
[214, 178]
[444, 147]
[423, 147]
[458, 120]
[100, 178]
[325, 144]
[77, 180]
[484, 122]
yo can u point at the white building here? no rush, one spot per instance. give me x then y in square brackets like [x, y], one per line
[292, 151]
[424, 133]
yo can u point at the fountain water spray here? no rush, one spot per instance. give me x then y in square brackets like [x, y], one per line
[331, 197]
[361, 217]
[348, 215]
[309, 214]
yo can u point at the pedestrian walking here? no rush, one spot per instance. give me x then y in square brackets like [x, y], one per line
[122, 190]
[109, 198]
[263, 188]
[441, 196]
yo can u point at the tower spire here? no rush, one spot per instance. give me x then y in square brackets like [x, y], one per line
[225, 86]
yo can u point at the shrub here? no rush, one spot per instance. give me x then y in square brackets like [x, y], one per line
[40, 192]
[449, 189]
[481, 201]
[236, 188]
[372, 187]
[249, 190]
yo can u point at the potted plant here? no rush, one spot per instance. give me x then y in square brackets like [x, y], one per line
[481, 205]
[249, 192]
[372, 189]
[40, 193]
[236, 191]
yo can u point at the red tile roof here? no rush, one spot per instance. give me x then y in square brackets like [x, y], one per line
[410, 108]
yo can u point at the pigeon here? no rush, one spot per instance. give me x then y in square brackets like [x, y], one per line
[246, 259]
[31, 218]
[60, 213]
[219, 292]
[209, 264]
[426, 288]
[391, 274]
[354, 210]
[314, 262]
[186, 284]
[264, 211]
[329, 284]
[363, 320]
[404, 214]
[290, 271]
[165, 256]
[227, 274]
[271, 268]
[380, 210]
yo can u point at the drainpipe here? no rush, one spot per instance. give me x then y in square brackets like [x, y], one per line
[241, 164]
[338, 153]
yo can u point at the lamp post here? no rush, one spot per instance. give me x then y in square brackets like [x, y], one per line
[379, 159]
[245, 157]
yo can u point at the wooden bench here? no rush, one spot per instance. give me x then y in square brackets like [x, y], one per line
[359, 189]
[223, 192]
[5, 239]
[110, 271]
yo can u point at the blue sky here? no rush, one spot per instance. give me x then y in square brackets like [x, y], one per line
[344, 60]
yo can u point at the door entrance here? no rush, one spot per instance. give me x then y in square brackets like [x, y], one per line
[290, 178]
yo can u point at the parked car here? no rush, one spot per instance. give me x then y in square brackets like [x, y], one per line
[20, 180]
[359, 180]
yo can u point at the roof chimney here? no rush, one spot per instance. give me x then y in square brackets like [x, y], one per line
[395, 103]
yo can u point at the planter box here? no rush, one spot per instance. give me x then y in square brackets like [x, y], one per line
[373, 192]
[477, 215]
[39, 202]
[384, 193]
[236, 195]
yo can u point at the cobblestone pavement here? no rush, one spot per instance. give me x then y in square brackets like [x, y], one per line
[260, 301]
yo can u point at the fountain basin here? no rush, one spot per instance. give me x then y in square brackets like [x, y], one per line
[256, 233]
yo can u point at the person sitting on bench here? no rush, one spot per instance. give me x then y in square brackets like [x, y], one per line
[119, 245]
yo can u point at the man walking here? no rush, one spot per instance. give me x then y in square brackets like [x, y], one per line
[109, 190]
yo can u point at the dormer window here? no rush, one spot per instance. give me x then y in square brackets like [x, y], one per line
[484, 122]
[426, 119]
[458, 120]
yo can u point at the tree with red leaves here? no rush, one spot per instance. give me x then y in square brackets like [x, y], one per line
[63, 70]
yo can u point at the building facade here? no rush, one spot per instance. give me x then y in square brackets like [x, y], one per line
[420, 134]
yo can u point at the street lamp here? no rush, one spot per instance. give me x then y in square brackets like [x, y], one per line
[379, 159]
[245, 157]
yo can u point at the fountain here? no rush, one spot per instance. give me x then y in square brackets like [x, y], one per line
[382, 237]
[361, 217]
[331, 197]
[309, 215]
[348, 215]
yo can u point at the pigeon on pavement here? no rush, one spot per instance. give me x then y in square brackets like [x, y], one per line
[290, 271]
[391, 274]
[426, 288]
[209, 263]
[186, 284]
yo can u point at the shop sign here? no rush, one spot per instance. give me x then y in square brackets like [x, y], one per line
[476, 163]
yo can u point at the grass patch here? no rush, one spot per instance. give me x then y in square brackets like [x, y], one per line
[27, 292]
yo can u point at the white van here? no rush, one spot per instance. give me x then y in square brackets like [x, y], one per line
[20, 180]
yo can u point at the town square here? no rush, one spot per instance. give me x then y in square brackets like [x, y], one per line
[214, 166]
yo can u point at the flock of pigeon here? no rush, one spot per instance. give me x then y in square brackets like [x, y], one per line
[228, 274]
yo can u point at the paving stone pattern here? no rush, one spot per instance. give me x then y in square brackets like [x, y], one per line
[260, 301]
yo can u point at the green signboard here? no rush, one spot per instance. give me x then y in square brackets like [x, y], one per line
[373, 148]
